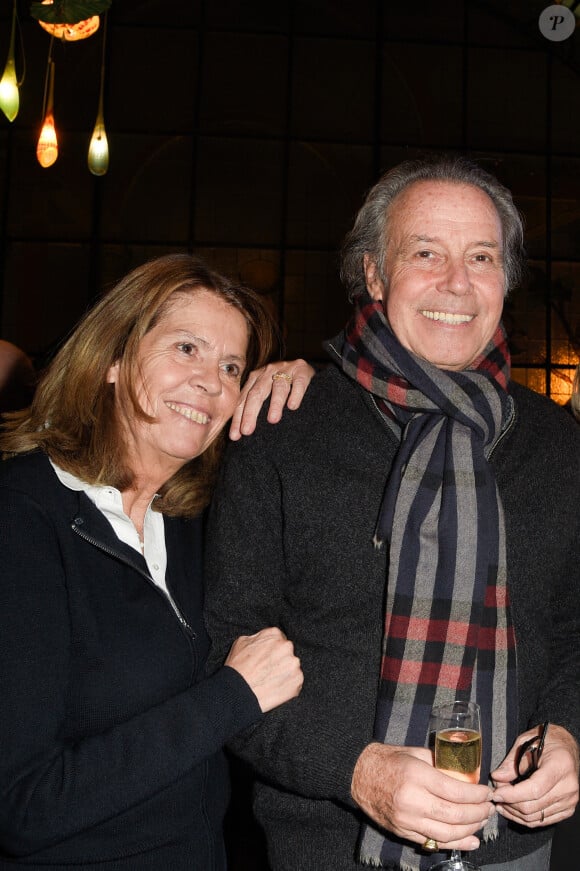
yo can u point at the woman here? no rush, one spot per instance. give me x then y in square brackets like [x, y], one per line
[110, 731]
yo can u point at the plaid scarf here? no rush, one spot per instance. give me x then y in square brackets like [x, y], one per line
[448, 632]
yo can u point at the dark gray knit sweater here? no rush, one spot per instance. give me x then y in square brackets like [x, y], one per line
[290, 544]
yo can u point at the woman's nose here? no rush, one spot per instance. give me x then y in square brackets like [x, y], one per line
[208, 379]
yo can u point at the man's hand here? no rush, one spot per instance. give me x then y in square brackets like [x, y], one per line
[259, 386]
[399, 788]
[551, 793]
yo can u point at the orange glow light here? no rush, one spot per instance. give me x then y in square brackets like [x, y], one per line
[47, 148]
[72, 32]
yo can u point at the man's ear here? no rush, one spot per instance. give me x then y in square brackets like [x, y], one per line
[374, 283]
[113, 373]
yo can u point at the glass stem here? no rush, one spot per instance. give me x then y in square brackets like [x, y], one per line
[456, 860]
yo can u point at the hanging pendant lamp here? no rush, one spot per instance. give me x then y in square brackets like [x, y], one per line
[47, 147]
[9, 96]
[98, 156]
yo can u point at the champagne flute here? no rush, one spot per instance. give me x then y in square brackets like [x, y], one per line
[457, 730]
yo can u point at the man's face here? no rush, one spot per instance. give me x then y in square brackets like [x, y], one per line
[444, 272]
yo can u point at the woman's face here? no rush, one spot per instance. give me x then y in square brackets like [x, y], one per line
[189, 370]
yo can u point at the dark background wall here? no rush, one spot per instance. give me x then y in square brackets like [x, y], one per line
[249, 132]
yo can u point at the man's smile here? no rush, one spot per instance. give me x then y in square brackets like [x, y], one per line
[446, 317]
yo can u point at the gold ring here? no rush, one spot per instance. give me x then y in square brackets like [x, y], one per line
[431, 845]
[282, 376]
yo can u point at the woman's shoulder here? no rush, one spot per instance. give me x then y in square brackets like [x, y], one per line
[29, 472]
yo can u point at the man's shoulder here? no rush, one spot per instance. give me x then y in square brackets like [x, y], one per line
[544, 430]
[331, 395]
[332, 385]
[541, 411]
[334, 411]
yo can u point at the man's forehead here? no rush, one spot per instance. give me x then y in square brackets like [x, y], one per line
[429, 201]
[434, 191]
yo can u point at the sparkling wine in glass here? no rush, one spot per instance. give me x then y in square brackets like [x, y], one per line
[456, 728]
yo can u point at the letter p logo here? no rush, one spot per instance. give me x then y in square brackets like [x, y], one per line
[557, 23]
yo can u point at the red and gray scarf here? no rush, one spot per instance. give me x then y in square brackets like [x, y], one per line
[448, 632]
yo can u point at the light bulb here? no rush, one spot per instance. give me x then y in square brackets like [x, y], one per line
[9, 97]
[47, 148]
[98, 156]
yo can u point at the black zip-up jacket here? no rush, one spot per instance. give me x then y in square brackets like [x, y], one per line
[290, 544]
[110, 733]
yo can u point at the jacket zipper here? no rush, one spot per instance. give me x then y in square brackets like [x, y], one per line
[103, 547]
[508, 429]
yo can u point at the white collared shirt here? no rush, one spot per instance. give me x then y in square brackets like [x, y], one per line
[110, 503]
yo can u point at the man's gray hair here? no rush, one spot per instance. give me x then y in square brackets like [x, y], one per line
[369, 234]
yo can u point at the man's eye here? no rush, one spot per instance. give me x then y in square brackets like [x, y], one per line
[233, 370]
[424, 255]
[187, 347]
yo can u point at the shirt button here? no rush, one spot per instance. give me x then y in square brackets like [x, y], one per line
[156, 566]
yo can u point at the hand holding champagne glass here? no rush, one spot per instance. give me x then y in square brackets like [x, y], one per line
[457, 730]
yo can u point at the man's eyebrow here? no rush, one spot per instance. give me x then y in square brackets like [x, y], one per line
[416, 237]
[413, 239]
[485, 243]
[419, 237]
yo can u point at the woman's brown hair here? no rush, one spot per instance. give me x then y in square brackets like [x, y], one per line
[72, 417]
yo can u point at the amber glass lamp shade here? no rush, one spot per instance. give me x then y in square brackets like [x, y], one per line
[47, 147]
[72, 32]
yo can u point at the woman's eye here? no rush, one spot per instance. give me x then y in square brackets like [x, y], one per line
[233, 370]
[186, 347]
[424, 255]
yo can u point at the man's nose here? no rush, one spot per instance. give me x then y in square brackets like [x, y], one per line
[456, 278]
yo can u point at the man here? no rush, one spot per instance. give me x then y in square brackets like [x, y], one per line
[412, 530]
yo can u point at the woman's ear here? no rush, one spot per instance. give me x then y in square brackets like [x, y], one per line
[374, 283]
[113, 373]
